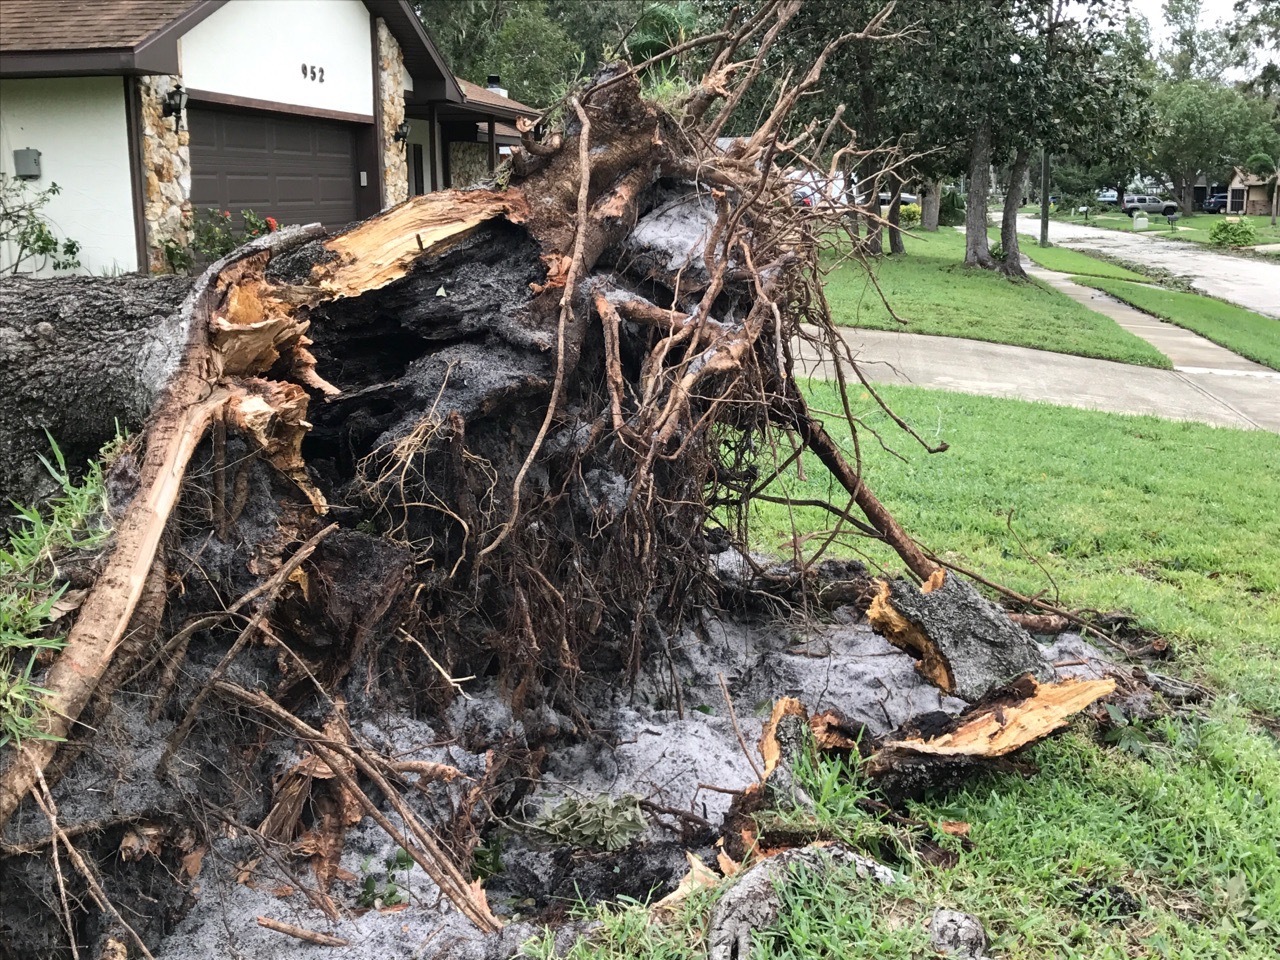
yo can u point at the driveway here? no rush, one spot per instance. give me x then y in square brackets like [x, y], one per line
[1252, 284]
[1224, 398]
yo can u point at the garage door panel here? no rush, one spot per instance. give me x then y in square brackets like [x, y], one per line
[296, 139]
[297, 189]
[331, 143]
[332, 190]
[249, 189]
[296, 169]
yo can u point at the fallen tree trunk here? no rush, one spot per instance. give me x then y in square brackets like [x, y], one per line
[519, 406]
[76, 354]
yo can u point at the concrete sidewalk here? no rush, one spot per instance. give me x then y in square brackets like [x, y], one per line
[1244, 399]
[1185, 349]
[1250, 283]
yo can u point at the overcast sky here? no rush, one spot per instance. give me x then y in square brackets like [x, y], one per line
[1153, 10]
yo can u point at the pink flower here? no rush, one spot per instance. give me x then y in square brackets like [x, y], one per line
[272, 225]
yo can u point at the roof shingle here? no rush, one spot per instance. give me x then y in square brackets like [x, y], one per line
[484, 97]
[50, 25]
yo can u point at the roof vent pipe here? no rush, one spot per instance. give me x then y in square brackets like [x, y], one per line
[494, 83]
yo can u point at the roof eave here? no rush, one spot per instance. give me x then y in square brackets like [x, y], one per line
[423, 59]
[156, 53]
[115, 61]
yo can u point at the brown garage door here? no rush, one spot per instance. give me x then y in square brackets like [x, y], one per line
[296, 169]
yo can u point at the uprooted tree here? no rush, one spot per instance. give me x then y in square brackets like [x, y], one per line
[491, 426]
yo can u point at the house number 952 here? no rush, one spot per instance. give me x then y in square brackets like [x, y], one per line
[313, 72]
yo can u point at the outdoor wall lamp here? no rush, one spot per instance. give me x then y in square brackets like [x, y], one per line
[175, 102]
[402, 134]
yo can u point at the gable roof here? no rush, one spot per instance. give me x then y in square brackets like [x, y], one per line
[83, 24]
[487, 101]
[66, 38]
[90, 37]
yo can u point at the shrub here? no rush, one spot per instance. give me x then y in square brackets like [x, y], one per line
[214, 234]
[951, 209]
[909, 216]
[24, 231]
[1226, 233]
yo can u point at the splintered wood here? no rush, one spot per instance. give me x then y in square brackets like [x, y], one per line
[383, 249]
[966, 645]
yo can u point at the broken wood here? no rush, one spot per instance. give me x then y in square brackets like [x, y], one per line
[965, 645]
[911, 762]
[300, 933]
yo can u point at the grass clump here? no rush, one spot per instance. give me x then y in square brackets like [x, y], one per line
[1239, 330]
[74, 519]
[936, 294]
[1065, 260]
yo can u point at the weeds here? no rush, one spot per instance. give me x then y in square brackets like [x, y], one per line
[75, 519]
[601, 822]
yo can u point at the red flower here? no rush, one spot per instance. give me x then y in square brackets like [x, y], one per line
[226, 214]
[272, 225]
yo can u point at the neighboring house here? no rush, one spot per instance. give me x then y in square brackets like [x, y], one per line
[304, 110]
[1249, 195]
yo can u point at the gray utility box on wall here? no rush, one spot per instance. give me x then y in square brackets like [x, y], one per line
[26, 164]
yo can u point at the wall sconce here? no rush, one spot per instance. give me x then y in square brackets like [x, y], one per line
[402, 134]
[175, 102]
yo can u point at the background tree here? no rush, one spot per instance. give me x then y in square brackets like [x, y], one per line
[1208, 129]
[1194, 52]
[1267, 167]
[536, 46]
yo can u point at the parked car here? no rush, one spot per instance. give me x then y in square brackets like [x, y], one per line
[1216, 204]
[814, 190]
[886, 198]
[1107, 196]
[1148, 205]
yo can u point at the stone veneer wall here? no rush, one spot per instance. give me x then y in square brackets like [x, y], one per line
[468, 163]
[395, 163]
[166, 169]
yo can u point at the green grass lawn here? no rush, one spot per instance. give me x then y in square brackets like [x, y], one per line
[1174, 521]
[932, 290]
[1072, 261]
[1242, 331]
[1193, 228]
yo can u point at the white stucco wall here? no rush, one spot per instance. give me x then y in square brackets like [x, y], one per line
[256, 49]
[78, 125]
[420, 133]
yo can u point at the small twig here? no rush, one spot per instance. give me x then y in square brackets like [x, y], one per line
[685, 815]
[268, 592]
[742, 742]
[300, 933]
[454, 682]
[44, 800]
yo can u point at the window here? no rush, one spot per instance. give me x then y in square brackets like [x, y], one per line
[1236, 203]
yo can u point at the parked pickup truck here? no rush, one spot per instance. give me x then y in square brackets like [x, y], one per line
[1148, 205]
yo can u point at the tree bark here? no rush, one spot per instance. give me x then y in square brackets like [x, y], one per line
[895, 214]
[1044, 197]
[977, 248]
[1011, 266]
[77, 353]
[931, 206]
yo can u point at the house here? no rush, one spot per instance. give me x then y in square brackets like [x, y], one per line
[143, 111]
[1249, 195]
